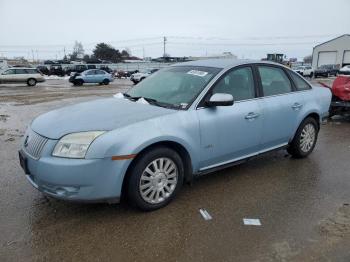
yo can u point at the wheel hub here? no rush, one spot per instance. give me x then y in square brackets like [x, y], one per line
[158, 180]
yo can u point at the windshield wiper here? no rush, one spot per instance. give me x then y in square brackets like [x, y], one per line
[152, 101]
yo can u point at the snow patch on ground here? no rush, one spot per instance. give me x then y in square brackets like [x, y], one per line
[56, 77]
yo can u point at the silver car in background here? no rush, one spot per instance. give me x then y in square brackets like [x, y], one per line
[30, 76]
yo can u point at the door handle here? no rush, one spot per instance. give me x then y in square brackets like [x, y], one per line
[297, 106]
[251, 115]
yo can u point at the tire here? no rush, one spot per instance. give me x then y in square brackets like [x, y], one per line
[149, 192]
[311, 75]
[105, 81]
[78, 82]
[31, 82]
[304, 135]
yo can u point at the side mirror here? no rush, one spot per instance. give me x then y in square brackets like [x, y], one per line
[220, 99]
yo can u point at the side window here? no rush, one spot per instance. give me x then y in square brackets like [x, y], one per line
[9, 72]
[21, 71]
[91, 72]
[239, 83]
[274, 81]
[300, 83]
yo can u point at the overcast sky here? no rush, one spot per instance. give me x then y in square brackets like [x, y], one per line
[248, 28]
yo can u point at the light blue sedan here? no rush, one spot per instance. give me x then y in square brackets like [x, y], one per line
[181, 122]
[91, 76]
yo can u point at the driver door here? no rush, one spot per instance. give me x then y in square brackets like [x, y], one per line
[230, 133]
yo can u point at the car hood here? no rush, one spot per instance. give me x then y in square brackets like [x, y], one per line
[102, 114]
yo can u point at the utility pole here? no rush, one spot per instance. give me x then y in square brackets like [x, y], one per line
[64, 50]
[164, 43]
[33, 55]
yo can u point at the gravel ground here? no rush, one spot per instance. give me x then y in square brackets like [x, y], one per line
[303, 205]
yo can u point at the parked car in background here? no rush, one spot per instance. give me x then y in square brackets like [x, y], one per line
[77, 69]
[345, 70]
[43, 69]
[138, 77]
[105, 68]
[56, 70]
[340, 95]
[91, 76]
[326, 71]
[3, 64]
[304, 71]
[30, 76]
[125, 73]
[186, 120]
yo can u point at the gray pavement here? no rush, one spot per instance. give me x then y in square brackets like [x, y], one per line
[303, 205]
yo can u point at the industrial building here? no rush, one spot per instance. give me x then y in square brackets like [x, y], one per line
[332, 52]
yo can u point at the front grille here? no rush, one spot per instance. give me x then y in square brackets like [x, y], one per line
[34, 144]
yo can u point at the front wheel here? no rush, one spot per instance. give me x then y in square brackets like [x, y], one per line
[305, 139]
[155, 179]
[78, 82]
[105, 82]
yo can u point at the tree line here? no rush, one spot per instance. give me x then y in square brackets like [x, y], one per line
[101, 52]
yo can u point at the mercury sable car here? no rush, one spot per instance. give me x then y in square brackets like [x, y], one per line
[182, 121]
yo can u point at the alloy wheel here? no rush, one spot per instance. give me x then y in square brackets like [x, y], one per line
[307, 137]
[158, 181]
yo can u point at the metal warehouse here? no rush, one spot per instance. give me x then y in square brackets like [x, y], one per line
[332, 52]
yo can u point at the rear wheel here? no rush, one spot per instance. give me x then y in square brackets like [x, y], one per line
[305, 139]
[155, 179]
[31, 82]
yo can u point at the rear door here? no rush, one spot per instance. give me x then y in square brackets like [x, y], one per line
[100, 75]
[21, 75]
[281, 106]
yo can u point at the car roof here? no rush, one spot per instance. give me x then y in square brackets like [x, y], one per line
[224, 63]
[21, 68]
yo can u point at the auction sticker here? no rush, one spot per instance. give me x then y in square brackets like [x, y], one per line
[197, 73]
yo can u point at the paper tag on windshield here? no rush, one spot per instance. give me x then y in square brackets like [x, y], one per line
[197, 73]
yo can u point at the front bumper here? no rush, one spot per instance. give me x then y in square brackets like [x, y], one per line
[83, 180]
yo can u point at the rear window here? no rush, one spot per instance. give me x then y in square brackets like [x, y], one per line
[300, 83]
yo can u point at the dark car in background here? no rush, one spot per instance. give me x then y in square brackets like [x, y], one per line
[43, 69]
[326, 71]
[56, 70]
[78, 68]
[125, 73]
[106, 68]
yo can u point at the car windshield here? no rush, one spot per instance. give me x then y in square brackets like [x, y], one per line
[177, 85]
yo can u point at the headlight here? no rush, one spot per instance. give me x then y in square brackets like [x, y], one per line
[75, 145]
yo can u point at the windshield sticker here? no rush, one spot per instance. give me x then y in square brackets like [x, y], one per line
[183, 105]
[197, 73]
